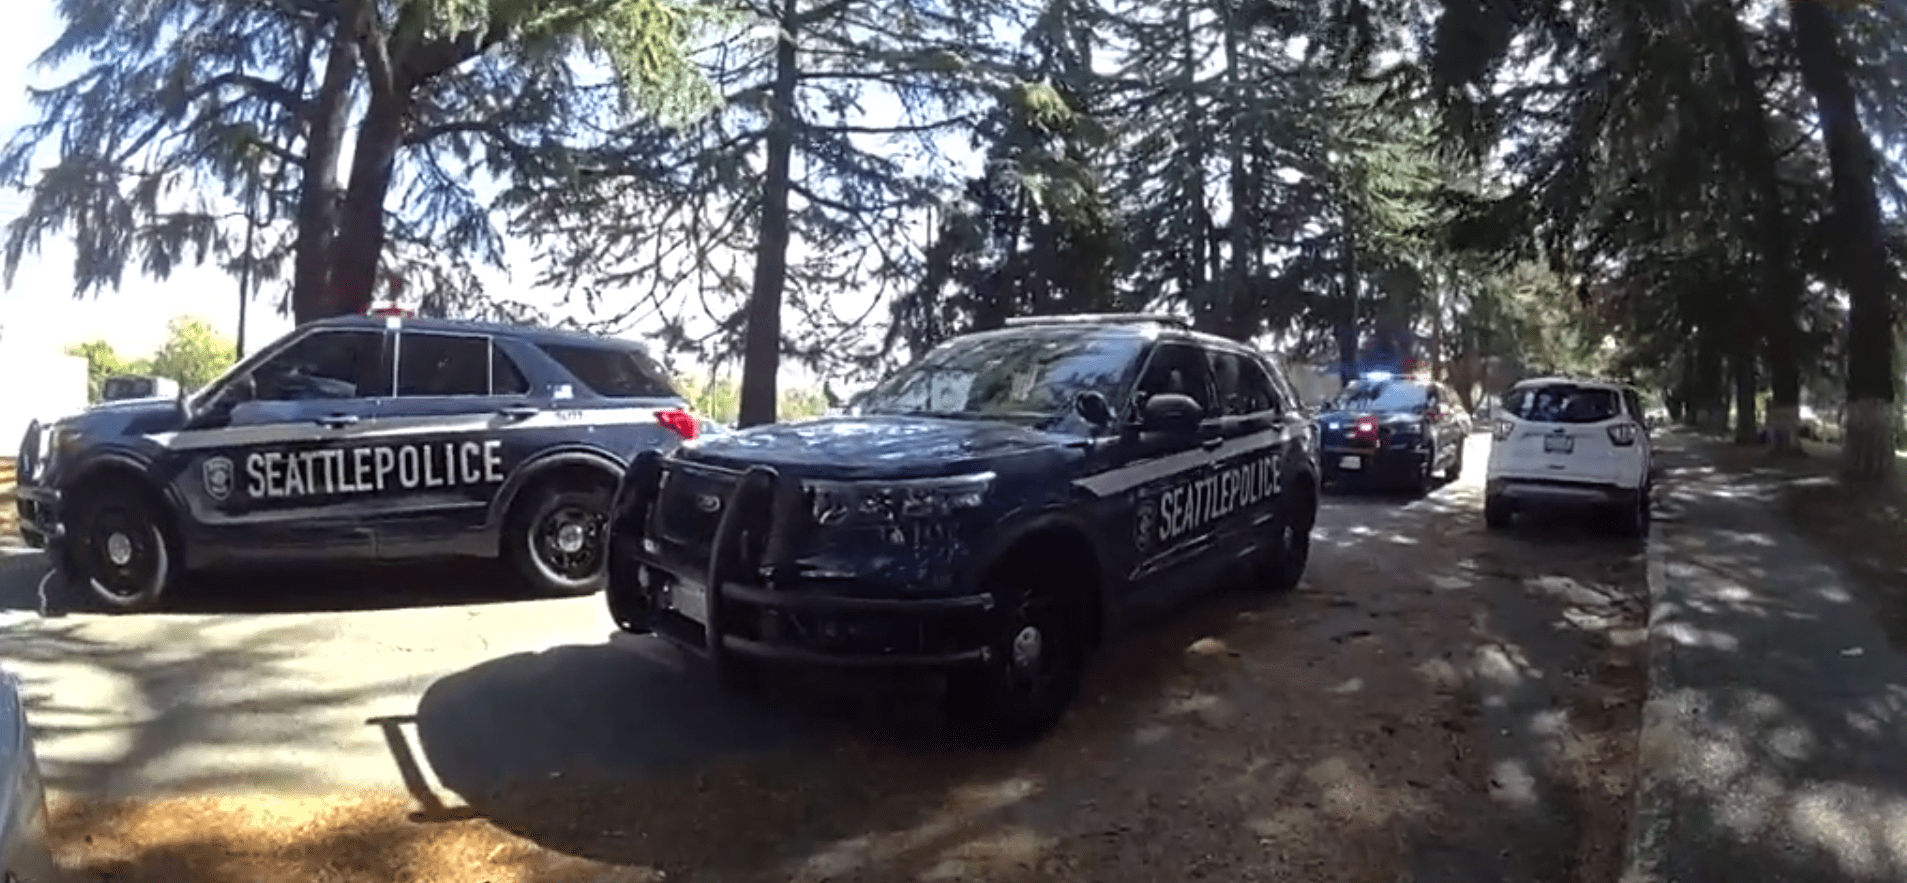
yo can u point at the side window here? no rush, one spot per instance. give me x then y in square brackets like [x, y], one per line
[612, 371]
[1177, 368]
[1633, 402]
[1287, 398]
[442, 364]
[506, 379]
[1243, 386]
[325, 365]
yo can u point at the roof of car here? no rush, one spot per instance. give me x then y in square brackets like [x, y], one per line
[531, 333]
[1135, 325]
[1576, 381]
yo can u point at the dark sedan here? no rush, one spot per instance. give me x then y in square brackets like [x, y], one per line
[1393, 430]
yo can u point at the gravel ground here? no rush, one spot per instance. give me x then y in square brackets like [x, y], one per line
[1435, 704]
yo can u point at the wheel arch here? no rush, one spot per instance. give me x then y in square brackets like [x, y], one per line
[579, 464]
[118, 467]
[1058, 543]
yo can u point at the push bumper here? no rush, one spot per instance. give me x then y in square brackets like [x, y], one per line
[38, 509]
[1551, 492]
[760, 606]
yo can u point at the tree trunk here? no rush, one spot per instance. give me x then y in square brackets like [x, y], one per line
[1741, 368]
[1711, 396]
[1867, 451]
[360, 245]
[761, 351]
[1781, 279]
[318, 196]
[1347, 323]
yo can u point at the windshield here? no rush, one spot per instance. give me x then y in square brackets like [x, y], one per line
[1033, 373]
[1381, 395]
[1563, 403]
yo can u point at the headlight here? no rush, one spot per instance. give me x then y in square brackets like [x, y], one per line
[852, 502]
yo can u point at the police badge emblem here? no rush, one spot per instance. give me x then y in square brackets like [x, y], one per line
[218, 478]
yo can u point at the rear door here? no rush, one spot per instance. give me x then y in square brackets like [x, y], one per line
[445, 443]
[1562, 433]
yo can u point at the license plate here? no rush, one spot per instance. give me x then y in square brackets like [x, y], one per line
[1559, 444]
[1352, 462]
[689, 599]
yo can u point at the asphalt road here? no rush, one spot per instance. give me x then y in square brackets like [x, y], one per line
[1439, 700]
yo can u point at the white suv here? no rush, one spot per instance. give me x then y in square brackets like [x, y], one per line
[1562, 441]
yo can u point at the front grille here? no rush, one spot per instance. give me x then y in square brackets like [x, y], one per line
[683, 515]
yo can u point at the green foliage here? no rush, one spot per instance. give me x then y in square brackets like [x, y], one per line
[719, 398]
[102, 362]
[193, 354]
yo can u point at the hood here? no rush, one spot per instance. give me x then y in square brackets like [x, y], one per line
[127, 417]
[874, 446]
[1385, 418]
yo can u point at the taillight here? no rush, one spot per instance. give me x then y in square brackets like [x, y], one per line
[1366, 427]
[1433, 414]
[1503, 429]
[1623, 435]
[681, 421]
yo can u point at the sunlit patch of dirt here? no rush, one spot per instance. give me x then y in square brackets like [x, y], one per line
[323, 840]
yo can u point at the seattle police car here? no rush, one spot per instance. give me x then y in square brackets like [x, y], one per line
[988, 513]
[358, 437]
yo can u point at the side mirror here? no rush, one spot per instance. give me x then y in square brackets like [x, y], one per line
[1094, 407]
[1171, 412]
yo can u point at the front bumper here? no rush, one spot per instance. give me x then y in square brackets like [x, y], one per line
[1384, 461]
[761, 606]
[38, 509]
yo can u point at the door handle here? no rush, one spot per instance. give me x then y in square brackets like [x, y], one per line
[519, 412]
[1212, 444]
[337, 421]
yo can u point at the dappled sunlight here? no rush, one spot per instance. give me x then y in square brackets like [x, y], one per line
[1778, 704]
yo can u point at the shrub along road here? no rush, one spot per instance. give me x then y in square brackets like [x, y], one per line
[1435, 700]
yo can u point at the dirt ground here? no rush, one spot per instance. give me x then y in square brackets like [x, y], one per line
[1436, 704]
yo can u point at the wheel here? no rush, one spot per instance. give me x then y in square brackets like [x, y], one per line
[1456, 466]
[1497, 512]
[1632, 521]
[1422, 479]
[1038, 657]
[1283, 566]
[560, 539]
[117, 547]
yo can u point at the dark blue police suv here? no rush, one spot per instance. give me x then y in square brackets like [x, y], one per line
[1406, 430]
[360, 437]
[987, 514]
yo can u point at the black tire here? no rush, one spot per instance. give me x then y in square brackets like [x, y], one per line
[1632, 521]
[1038, 657]
[1424, 478]
[1456, 466]
[1497, 513]
[1283, 565]
[117, 550]
[553, 559]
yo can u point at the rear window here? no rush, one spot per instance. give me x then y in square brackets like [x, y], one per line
[1563, 403]
[614, 372]
[1382, 395]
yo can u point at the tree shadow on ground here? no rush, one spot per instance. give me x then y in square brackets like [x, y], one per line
[194, 707]
[26, 586]
[1458, 707]
[1781, 707]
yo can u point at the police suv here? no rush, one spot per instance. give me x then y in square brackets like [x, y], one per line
[988, 513]
[358, 437]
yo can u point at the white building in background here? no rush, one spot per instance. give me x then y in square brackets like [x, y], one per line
[37, 382]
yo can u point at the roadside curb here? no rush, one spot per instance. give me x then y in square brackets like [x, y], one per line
[1650, 818]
